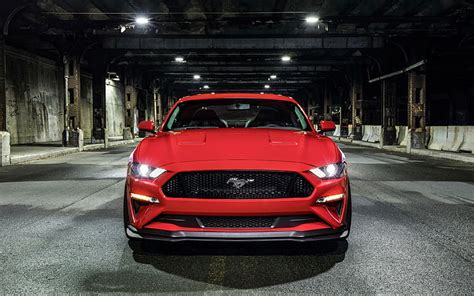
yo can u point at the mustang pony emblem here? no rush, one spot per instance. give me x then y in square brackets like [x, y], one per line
[239, 183]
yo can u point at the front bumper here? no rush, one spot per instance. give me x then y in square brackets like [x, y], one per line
[145, 222]
[260, 236]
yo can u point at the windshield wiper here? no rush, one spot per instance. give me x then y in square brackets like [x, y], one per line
[193, 127]
[280, 127]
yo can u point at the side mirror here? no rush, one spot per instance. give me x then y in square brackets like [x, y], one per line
[147, 126]
[327, 126]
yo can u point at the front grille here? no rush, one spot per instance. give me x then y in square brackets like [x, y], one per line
[237, 185]
[237, 222]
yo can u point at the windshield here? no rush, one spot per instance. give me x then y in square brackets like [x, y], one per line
[237, 113]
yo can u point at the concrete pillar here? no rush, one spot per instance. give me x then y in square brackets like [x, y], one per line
[357, 111]
[388, 132]
[3, 98]
[4, 148]
[416, 109]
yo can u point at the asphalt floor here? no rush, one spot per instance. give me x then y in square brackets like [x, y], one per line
[412, 233]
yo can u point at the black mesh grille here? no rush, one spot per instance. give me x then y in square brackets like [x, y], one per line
[237, 185]
[237, 222]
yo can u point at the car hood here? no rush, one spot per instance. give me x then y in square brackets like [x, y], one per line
[237, 144]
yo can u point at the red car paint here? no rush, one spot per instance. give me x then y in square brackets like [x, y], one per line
[237, 149]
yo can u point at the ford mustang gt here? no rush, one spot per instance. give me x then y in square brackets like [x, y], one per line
[237, 167]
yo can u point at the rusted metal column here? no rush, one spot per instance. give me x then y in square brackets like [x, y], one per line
[3, 95]
[416, 109]
[4, 135]
[160, 108]
[327, 103]
[72, 103]
[388, 133]
[357, 110]
[130, 104]
[74, 89]
[66, 132]
[99, 100]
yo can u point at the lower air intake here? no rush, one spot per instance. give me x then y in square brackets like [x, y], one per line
[237, 222]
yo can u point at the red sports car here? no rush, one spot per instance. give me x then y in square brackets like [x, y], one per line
[237, 167]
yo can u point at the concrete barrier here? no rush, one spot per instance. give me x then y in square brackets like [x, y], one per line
[337, 132]
[375, 134]
[468, 139]
[365, 133]
[438, 135]
[4, 148]
[454, 138]
[401, 135]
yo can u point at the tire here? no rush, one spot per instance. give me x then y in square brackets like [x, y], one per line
[126, 218]
[349, 213]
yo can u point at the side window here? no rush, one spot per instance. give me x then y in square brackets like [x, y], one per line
[172, 118]
[301, 118]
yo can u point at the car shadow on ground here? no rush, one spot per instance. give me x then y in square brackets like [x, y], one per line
[241, 265]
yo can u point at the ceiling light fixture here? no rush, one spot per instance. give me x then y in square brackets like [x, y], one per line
[197, 76]
[141, 20]
[312, 19]
[286, 58]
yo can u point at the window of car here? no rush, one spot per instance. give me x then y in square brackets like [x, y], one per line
[237, 113]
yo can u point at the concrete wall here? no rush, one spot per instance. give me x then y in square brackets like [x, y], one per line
[115, 97]
[34, 93]
[86, 106]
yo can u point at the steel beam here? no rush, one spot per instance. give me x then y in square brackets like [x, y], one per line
[242, 43]
[396, 73]
[239, 69]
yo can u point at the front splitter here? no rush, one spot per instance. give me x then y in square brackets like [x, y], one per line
[263, 236]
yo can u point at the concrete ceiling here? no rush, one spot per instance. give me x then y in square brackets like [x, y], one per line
[234, 43]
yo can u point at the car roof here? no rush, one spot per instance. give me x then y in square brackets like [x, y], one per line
[254, 96]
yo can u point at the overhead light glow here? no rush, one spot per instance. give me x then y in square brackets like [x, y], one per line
[273, 76]
[206, 86]
[312, 19]
[141, 20]
[286, 58]
[266, 86]
[179, 59]
[197, 77]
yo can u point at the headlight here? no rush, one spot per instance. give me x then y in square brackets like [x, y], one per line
[144, 171]
[331, 171]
